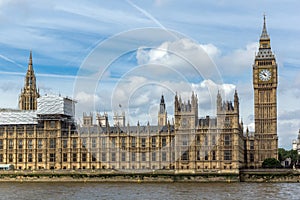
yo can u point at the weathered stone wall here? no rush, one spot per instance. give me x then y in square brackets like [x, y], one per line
[112, 176]
[274, 175]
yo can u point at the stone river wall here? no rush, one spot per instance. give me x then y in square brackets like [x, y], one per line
[154, 176]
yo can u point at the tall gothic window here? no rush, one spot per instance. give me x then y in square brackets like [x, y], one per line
[143, 142]
[185, 155]
[227, 155]
[227, 140]
[30, 144]
[213, 155]
[52, 143]
[123, 142]
[153, 141]
[10, 144]
[20, 144]
[52, 157]
[133, 142]
[133, 156]
[40, 143]
[153, 156]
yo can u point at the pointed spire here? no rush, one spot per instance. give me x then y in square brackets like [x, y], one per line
[219, 100]
[264, 44]
[162, 107]
[219, 95]
[236, 97]
[264, 34]
[162, 100]
[30, 68]
[30, 93]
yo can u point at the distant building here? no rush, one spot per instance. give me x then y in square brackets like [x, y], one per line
[286, 162]
[42, 133]
[296, 143]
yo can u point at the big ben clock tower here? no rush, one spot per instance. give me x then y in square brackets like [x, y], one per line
[265, 81]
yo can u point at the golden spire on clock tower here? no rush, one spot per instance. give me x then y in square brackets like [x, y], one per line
[30, 93]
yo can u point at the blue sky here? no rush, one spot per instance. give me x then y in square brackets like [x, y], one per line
[111, 53]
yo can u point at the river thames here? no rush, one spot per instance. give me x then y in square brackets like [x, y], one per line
[149, 190]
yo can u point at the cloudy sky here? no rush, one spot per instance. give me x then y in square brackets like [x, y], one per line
[114, 56]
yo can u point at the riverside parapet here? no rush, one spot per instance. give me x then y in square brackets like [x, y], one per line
[153, 176]
[115, 176]
[270, 175]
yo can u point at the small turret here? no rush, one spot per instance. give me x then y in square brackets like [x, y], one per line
[87, 119]
[176, 104]
[219, 102]
[162, 106]
[102, 120]
[119, 119]
[162, 114]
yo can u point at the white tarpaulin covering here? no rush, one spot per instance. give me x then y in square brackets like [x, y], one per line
[46, 105]
[17, 117]
[51, 104]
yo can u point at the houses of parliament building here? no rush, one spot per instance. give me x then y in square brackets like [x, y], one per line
[42, 133]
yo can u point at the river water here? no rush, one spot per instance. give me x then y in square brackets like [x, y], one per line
[149, 191]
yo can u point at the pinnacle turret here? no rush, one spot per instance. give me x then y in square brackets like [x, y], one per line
[162, 114]
[162, 108]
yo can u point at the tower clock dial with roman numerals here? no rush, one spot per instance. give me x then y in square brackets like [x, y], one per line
[265, 75]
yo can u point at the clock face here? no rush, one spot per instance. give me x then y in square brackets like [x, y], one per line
[265, 75]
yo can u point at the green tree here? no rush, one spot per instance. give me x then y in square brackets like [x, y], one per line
[271, 163]
[284, 154]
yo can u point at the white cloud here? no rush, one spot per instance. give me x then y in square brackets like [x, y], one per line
[183, 55]
[139, 96]
[287, 131]
[211, 50]
[85, 98]
[238, 61]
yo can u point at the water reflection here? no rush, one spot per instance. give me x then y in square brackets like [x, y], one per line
[149, 191]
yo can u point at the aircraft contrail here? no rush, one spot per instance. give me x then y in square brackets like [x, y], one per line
[11, 61]
[150, 17]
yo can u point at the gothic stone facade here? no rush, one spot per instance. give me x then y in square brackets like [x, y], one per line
[42, 134]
